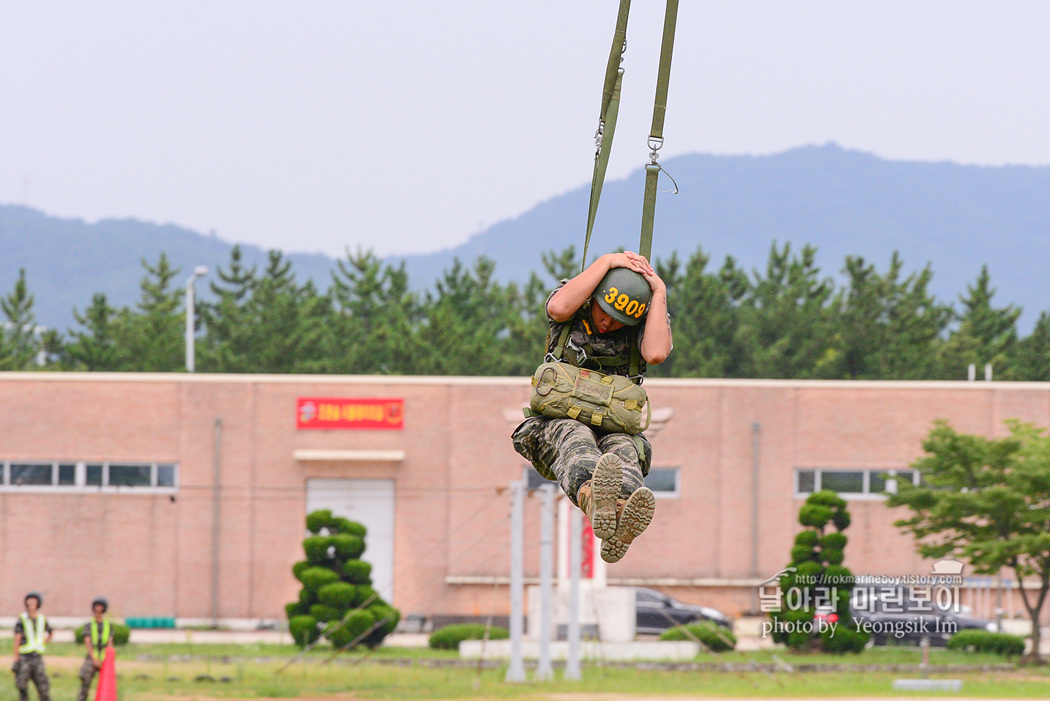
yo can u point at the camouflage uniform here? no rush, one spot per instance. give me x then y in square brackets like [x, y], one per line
[87, 669]
[566, 450]
[31, 666]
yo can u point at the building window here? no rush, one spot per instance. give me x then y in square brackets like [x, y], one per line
[88, 476]
[31, 474]
[852, 484]
[663, 481]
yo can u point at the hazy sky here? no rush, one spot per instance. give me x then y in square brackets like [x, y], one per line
[407, 126]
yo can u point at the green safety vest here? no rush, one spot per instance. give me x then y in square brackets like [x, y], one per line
[97, 641]
[34, 639]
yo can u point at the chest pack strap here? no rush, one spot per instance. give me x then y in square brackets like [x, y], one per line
[633, 362]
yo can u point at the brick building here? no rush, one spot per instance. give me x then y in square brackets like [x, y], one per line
[184, 496]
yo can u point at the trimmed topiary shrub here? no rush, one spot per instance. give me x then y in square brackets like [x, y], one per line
[348, 547]
[985, 641]
[712, 636]
[316, 548]
[815, 578]
[337, 588]
[387, 617]
[365, 596]
[300, 567]
[313, 578]
[449, 637]
[357, 572]
[323, 613]
[303, 629]
[338, 595]
[316, 520]
[844, 640]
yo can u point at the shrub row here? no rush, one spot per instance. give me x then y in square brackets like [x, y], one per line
[712, 636]
[985, 641]
[449, 637]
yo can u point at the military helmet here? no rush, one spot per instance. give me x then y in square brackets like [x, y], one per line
[34, 595]
[100, 600]
[624, 295]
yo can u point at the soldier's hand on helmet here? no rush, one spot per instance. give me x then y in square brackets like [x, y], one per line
[632, 261]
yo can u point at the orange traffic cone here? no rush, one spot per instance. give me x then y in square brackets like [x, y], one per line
[107, 677]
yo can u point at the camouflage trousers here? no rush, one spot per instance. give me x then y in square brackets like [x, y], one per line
[565, 451]
[31, 666]
[86, 674]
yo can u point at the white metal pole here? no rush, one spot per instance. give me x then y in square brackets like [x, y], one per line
[543, 667]
[572, 661]
[198, 272]
[516, 670]
[189, 324]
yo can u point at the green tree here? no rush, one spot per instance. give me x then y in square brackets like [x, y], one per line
[816, 577]
[19, 344]
[375, 318]
[785, 326]
[705, 318]
[986, 334]
[286, 322]
[887, 327]
[151, 336]
[1031, 359]
[467, 321]
[985, 501]
[94, 346]
[229, 343]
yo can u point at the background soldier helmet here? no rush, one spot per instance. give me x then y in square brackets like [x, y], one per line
[100, 600]
[624, 295]
[34, 595]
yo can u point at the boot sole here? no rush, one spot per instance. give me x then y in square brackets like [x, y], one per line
[605, 487]
[636, 516]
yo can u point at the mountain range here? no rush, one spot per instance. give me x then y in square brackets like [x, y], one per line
[844, 202]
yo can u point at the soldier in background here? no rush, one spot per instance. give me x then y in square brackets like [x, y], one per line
[602, 472]
[32, 634]
[97, 634]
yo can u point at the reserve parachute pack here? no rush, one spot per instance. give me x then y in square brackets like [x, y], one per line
[602, 401]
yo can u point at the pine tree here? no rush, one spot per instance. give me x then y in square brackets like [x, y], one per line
[228, 344]
[94, 348]
[18, 341]
[151, 336]
[986, 334]
[1031, 360]
[785, 326]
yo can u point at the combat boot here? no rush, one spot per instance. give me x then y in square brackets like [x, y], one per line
[597, 496]
[633, 517]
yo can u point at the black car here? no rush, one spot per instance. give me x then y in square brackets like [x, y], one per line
[899, 616]
[655, 612]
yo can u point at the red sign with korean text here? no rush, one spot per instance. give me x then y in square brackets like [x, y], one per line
[349, 414]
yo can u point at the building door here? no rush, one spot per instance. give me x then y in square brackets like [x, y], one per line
[370, 502]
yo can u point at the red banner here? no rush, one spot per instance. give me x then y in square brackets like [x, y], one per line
[349, 414]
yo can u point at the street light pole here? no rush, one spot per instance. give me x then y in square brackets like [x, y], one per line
[198, 272]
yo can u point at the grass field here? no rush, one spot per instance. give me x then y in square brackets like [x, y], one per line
[175, 672]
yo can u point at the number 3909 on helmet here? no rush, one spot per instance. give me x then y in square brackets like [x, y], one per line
[624, 295]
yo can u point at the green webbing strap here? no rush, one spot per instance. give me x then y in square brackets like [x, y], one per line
[612, 67]
[607, 118]
[652, 175]
[601, 161]
[656, 133]
[664, 75]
